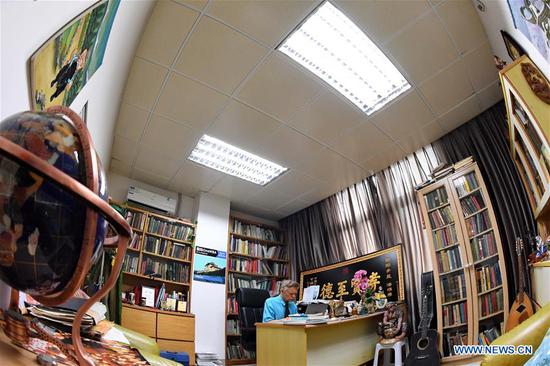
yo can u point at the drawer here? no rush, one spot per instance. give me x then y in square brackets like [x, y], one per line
[140, 321]
[178, 346]
[180, 328]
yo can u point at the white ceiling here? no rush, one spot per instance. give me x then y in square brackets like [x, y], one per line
[211, 67]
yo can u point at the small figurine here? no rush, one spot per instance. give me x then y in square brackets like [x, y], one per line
[393, 327]
[541, 251]
[380, 298]
[340, 308]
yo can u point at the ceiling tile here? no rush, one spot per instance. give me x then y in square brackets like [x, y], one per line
[425, 37]
[219, 56]
[326, 117]
[193, 176]
[149, 178]
[401, 117]
[268, 199]
[267, 21]
[361, 142]
[189, 102]
[381, 19]
[255, 211]
[144, 82]
[421, 138]
[197, 4]
[293, 183]
[490, 95]
[291, 207]
[124, 149]
[120, 167]
[288, 147]
[151, 161]
[318, 193]
[460, 114]
[131, 122]
[243, 126]
[235, 189]
[448, 88]
[481, 66]
[166, 30]
[463, 23]
[279, 88]
[383, 159]
[170, 138]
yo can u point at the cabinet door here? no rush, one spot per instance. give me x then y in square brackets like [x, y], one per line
[141, 321]
[174, 327]
[485, 268]
[453, 299]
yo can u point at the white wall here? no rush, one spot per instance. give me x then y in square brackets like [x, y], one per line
[497, 16]
[208, 299]
[26, 25]
[118, 190]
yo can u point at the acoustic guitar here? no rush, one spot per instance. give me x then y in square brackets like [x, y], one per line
[522, 308]
[424, 350]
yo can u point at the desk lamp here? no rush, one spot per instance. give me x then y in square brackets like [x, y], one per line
[54, 212]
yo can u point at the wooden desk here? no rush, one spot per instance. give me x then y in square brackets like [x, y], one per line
[350, 341]
[12, 355]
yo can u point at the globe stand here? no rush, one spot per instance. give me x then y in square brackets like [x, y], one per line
[95, 205]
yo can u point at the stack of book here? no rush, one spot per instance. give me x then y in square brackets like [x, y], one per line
[453, 287]
[463, 163]
[488, 277]
[455, 314]
[449, 260]
[491, 303]
[135, 219]
[442, 170]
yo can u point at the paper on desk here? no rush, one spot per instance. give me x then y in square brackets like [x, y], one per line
[115, 335]
[310, 293]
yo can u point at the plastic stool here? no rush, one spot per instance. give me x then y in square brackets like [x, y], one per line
[397, 347]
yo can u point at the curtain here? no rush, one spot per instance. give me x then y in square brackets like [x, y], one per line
[374, 214]
[486, 139]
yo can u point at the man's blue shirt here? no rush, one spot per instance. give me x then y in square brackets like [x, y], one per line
[274, 308]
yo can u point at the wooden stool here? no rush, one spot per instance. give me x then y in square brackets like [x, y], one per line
[398, 349]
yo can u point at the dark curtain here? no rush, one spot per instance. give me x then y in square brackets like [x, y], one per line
[486, 139]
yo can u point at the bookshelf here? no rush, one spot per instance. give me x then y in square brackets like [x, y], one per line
[257, 257]
[529, 129]
[160, 245]
[470, 276]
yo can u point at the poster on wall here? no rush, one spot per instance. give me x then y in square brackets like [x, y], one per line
[532, 18]
[64, 64]
[209, 265]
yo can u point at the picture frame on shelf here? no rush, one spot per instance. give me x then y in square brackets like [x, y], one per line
[512, 46]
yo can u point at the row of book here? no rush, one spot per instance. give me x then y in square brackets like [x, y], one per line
[472, 204]
[466, 184]
[167, 248]
[452, 339]
[232, 326]
[135, 219]
[478, 223]
[487, 336]
[168, 270]
[256, 231]
[235, 351]
[436, 198]
[445, 237]
[483, 246]
[455, 314]
[441, 217]
[491, 303]
[170, 229]
[248, 247]
[235, 281]
[488, 277]
[258, 266]
[454, 287]
[449, 259]
[232, 306]
[134, 241]
[130, 263]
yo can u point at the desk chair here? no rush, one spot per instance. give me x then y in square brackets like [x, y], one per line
[250, 302]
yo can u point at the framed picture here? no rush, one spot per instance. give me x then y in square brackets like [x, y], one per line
[532, 19]
[513, 48]
[63, 65]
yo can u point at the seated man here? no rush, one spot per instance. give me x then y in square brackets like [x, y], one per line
[281, 306]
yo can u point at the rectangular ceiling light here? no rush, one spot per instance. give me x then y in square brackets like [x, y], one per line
[331, 46]
[229, 159]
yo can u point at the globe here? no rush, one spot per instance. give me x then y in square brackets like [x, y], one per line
[42, 226]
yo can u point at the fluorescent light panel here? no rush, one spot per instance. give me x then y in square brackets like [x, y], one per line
[229, 159]
[331, 46]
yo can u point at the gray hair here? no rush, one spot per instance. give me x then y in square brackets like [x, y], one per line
[286, 284]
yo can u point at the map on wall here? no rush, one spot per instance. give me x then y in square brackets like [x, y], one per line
[532, 18]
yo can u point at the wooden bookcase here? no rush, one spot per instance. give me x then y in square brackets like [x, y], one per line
[529, 127]
[257, 257]
[469, 271]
